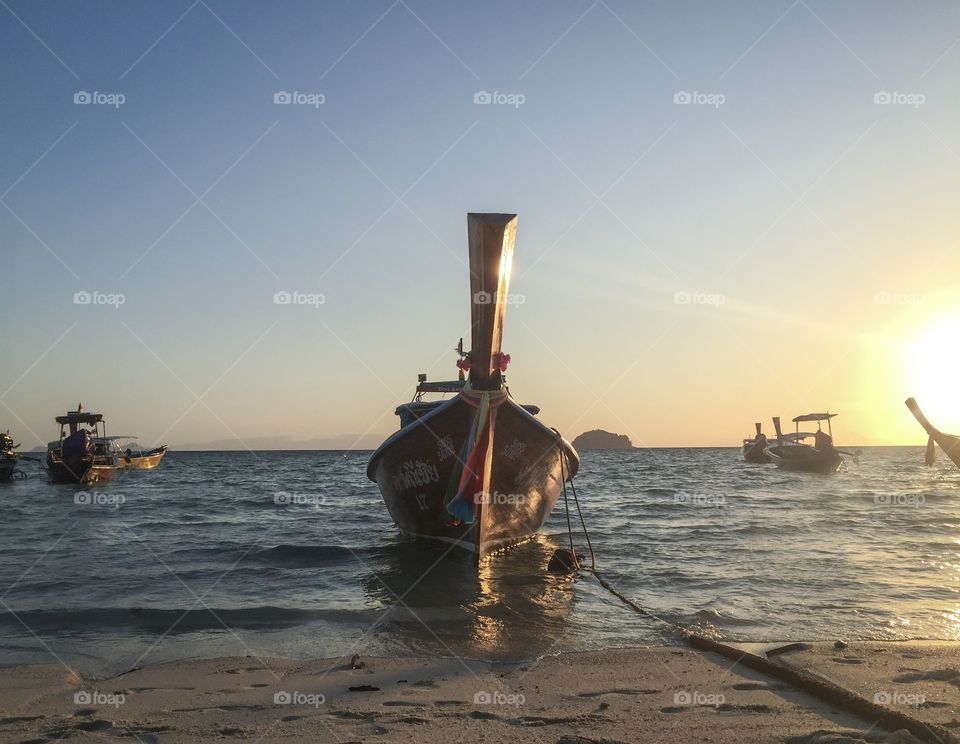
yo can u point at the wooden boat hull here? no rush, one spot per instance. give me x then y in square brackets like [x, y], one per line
[147, 461]
[755, 452]
[799, 457]
[7, 466]
[418, 468]
[947, 442]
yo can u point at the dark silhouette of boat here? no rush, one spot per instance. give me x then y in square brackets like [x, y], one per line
[8, 456]
[790, 453]
[947, 442]
[81, 455]
[476, 470]
[755, 450]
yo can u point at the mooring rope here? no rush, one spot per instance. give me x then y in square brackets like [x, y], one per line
[807, 682]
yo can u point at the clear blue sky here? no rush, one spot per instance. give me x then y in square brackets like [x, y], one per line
[797, 199]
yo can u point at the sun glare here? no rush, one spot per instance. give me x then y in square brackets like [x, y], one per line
[933, 361]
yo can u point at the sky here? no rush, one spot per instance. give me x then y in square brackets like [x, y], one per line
[727, 212]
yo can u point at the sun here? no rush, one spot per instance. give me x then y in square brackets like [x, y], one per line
[933, 368]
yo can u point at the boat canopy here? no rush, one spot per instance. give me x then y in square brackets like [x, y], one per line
[75, 417]
[814, 417]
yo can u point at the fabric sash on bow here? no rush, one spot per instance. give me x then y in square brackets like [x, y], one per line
[470, 486]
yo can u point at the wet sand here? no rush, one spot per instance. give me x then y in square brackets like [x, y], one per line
[662, 694]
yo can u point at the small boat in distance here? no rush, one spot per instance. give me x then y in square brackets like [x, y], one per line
[754, 450]
[790, 453]
[476, 470]
[81, 455]
[131, 456]
[948, 442]
[8, 456]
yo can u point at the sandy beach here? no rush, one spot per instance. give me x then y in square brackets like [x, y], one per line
[662, 694]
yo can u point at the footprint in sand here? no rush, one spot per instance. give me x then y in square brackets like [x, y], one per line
[483, 715]
[27, 719]
[617, 691]
[427, 683]
[950, 676]
[403, 704]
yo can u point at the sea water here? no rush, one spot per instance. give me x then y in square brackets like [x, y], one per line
[294, 554]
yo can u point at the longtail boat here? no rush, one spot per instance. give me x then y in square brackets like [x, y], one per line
[81, 455]
[948, 442]
[476, 470]
[790, 453]
[755, 450]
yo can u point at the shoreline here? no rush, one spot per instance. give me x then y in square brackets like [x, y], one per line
[660, 693]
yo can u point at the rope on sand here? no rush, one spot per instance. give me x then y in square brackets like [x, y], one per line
[812, 684]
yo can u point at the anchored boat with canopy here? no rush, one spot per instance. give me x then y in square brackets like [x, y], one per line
[790, 452]
[81, 455]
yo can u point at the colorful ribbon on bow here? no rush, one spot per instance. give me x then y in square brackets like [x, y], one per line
[470, 486]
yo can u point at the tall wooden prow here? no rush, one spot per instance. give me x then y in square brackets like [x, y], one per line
[491, 238]
[948, 442]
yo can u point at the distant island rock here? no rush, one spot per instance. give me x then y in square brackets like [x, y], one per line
[599, 439]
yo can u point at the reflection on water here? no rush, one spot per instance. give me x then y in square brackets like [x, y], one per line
[512, 607]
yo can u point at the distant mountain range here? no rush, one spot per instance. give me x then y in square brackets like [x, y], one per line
[342, 442]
